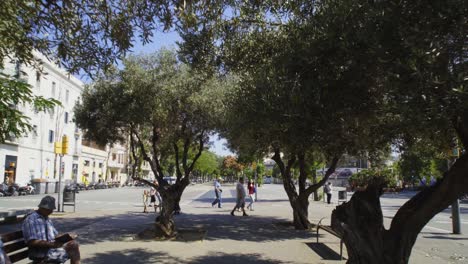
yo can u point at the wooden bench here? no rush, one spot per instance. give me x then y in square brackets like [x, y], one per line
[14, 246]
[16, 249]
[330, 230]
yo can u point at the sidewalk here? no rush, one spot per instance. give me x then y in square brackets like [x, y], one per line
[261, 237]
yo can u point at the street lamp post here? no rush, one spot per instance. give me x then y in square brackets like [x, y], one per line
[60, 182]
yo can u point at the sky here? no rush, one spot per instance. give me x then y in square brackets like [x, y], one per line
[168, 40]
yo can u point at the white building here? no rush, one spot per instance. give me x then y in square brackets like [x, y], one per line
[32, 156]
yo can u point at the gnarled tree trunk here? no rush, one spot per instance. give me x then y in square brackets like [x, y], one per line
[300, 207]
[360, 221]
[300, 200]
[171, 196]
[164, 222]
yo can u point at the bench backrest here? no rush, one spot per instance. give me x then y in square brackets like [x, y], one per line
[14, 246]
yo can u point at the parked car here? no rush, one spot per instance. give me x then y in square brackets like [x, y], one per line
[170, 179]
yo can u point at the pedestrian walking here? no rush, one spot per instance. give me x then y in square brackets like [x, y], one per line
[240, 203]
[218, 191]
[328, 191]
[251, 189]
[152, 197]
[145, 201]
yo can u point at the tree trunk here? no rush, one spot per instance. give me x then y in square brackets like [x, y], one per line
[314, 181]
[164, 223]
[360, 221]
[300, 208]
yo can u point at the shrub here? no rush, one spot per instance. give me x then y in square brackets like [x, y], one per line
[362, 178]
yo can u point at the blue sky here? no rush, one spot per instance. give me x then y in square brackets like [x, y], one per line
[168, 40]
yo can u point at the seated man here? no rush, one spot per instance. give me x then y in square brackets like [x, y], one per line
[39, 234]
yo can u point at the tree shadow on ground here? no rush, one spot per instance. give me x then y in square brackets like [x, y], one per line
[134, 256]
[220, 257]
[139, 255]
[240, 228]
[125, 227]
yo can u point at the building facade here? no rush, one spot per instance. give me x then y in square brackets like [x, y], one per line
[32, 155]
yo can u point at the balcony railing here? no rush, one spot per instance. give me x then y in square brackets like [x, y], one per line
[115, 164]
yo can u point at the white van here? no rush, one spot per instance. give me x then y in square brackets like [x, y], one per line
[267, 180]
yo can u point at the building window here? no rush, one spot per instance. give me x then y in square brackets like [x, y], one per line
[38, 80]
[86, 163]
[114, 156]
[53, 89]
[51, 136]
[34, 131]
[94, 164]
[66, 117]
[100, 164]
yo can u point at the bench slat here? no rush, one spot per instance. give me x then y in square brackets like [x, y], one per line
[18, 256]
[12, 236]
[15, 246]
[13, 242]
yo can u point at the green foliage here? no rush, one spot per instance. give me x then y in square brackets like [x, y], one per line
[207, 163]
[422, 160]
[15, 92]
[89, 35]
[362, 178]
[158, 103]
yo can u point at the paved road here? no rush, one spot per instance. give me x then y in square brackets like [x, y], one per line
[434, 245]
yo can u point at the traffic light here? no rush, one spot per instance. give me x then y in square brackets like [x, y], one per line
[58, 147]
[64, 145]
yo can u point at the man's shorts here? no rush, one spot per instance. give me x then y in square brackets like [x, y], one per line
[57, 254]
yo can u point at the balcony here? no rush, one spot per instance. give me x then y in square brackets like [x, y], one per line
[115, 164]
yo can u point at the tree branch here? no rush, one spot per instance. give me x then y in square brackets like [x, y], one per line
[329, 172]
[176, 150]
[200, 150]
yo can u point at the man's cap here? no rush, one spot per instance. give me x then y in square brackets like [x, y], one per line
[48, 202]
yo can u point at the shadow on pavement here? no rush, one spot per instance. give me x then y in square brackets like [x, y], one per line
[124, 227]
[448, 237]
[220, 257]
[324, 251]
[240, 228]
[137, 256]
[133, 256]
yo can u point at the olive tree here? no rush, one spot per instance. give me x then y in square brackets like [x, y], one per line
[164, 110]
